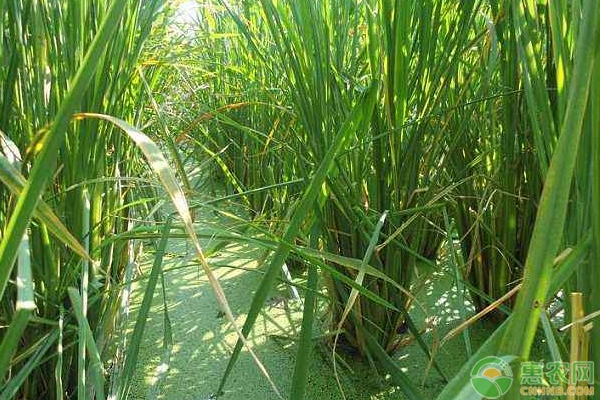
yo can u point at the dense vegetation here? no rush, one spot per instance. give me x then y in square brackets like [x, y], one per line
[364, 143]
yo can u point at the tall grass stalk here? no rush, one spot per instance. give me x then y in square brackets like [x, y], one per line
[367, 143]
[59, 58]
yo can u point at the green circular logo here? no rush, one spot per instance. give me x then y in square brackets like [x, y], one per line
[491, 377]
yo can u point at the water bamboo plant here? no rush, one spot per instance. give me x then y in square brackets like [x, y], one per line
[59, 58]
[371, 143]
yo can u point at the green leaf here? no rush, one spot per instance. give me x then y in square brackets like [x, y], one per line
[160, 166]
[362, 111]
[96, 367]
[398, 377]
[460, 386]
[23, 310]
[305, 343]
[46, 161]
[133, 348]
[552, 211]
[11, 388]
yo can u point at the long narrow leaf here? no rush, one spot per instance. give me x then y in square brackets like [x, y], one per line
[362, 111]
